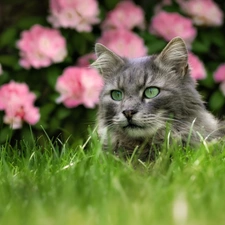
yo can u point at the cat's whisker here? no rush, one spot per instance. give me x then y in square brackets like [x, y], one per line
[214, 131]
[165, 118]
[175, 120]
[109, 127]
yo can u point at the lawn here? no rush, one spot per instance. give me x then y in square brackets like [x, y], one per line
[57, 184]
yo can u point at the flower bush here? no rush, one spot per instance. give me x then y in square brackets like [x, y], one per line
[46, 49]
[203, 12]
[18, 103]
[219, 74]
[198, 71]
[40, 47]
[126, 43]
[126, 15]
[79, 85]
[75, 14]
[162, 23]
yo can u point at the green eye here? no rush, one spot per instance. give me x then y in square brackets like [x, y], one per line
[116, 95]
[151, 92]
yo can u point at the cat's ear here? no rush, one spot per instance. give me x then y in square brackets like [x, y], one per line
[107, 61]
[175, 55]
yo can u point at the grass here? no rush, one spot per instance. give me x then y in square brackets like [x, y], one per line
[83, 185]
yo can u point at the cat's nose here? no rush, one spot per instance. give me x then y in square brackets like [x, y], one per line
[129, 113]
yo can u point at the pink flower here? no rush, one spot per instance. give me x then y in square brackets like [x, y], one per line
[219, 74]
[198, 71]
[78, 85]
[86, 60]
[40, 47]
[124, 42]
[18, 103]
[126, 15]
[169, 25]
[76, 14]
[203, 12]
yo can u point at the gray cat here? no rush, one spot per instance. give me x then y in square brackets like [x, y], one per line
[147, 99]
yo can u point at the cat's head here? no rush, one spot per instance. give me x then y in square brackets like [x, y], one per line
[140, 95]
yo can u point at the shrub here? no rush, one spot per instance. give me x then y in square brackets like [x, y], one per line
[42, 43]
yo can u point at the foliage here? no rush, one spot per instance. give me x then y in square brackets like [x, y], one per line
[61, 122]
[56, 184]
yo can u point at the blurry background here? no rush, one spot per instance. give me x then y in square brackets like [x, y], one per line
[39, 40]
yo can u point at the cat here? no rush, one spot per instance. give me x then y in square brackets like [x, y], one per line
[141, 96]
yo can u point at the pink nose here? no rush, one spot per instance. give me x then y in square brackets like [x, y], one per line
[129, 113]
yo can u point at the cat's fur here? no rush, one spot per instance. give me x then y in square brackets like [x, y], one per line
[178, 102]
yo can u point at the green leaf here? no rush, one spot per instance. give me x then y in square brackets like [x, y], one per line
[154, 44]
[8, 60]
[63, 113]
[208, 82]
[45, 112]
[216, 101]
[88, 36]
[156, 47]
[52, 74]
[79, 44]
[111, 4]
[217, 38]
[28, 21]
[200, 47]
[6, 133]
[47, 109]
[8, 37]
[4, 77]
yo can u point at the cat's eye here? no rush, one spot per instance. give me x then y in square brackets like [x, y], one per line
[151, 92]
[116, 95]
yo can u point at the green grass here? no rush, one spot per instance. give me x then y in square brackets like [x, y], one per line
[83, 185]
